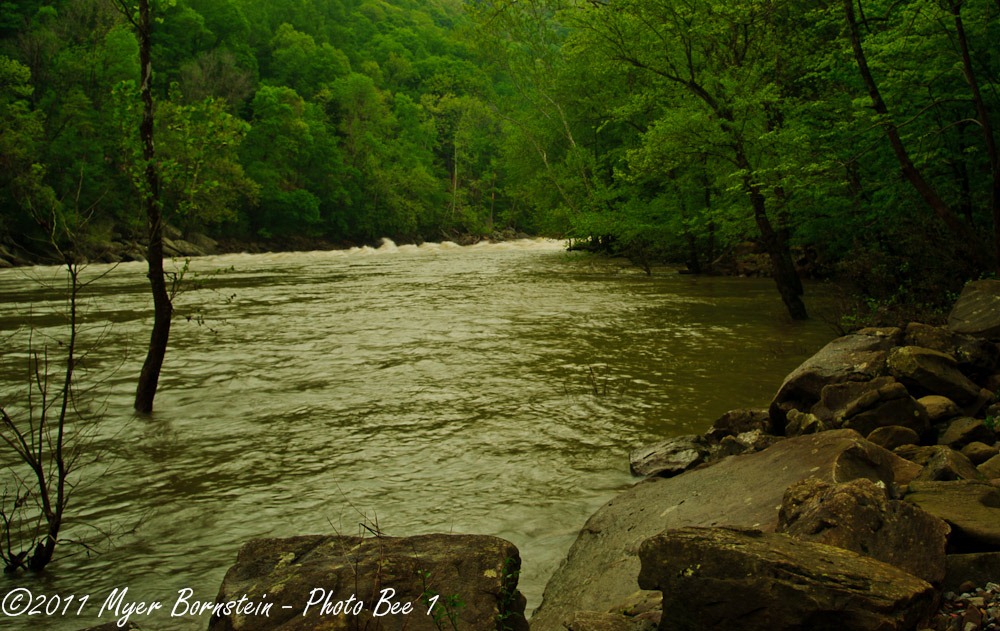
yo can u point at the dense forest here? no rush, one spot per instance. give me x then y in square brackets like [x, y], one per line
[856, 136]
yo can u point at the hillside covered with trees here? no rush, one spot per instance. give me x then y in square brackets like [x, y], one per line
[857, 133]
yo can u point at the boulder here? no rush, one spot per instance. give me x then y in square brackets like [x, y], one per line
[938, 338]
[740, 421]
[892, 334]
[930, 372]
[849, 358]
[802, 423]
[970, 507]
[975, 356]
[473, 578]
[963, 431]
[600, 569]
[859, 516]
[943, 464]
[739, 580]
[939, 408]
[978, 452]
[746, 442]
[865, 406]
[894, 436]
[670, 457]
[977, 310]
[991, 468]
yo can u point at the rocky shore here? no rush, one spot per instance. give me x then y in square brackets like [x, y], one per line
[866, 497]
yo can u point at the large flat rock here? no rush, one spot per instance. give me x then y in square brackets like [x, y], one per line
[717, 578]
[428, 582]
[745, 491]
[970, 507]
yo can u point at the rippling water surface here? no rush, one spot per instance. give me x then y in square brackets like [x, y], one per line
[491, 389]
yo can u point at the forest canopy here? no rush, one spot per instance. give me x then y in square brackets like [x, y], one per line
[857, 133]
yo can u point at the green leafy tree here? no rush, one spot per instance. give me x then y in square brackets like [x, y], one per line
[27, 203]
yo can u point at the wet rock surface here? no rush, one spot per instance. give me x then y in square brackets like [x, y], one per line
[474, 580]
[859, 516]
[931, 513]
[744, 491]
[719, 578]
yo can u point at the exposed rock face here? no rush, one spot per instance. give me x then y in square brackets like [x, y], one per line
[935, 373]
[971, 508]
[977, 311]
[849, 358]
[745, 491]
[866, 406]
[477, 571]
[719, 578]
[859, 516]
[670, 457]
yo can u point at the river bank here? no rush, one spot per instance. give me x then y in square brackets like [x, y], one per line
[119, 249]
[867, 495]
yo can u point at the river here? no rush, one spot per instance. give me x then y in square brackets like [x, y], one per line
[492, 389]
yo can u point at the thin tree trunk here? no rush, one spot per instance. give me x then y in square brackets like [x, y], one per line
[912, 174]
[707, 186]
[785, 276]
[693, 262]
[162, 306]
[984, 122]
[783, 268]
[454, 182]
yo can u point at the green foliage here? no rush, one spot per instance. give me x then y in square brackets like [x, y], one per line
[27, 204]
[203, 180]
[643, 129]
[335, 119]
[443, 610]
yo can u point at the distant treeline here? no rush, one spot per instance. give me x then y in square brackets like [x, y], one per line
[675, 130]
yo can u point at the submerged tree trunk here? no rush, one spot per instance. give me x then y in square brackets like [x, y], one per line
[162, 305]
[783, 268]
[775, 244]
